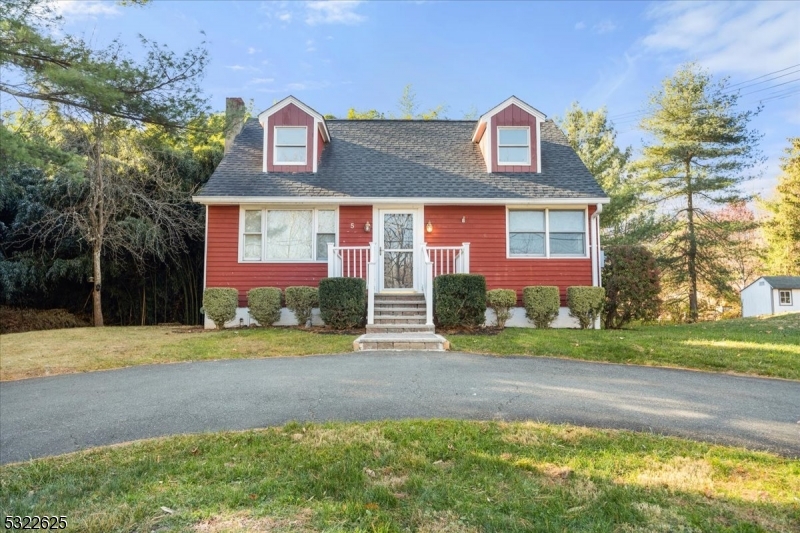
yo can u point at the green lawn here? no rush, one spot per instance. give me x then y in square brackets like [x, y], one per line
[64, 351]
[762, 346]
[431, 476]
[766, 347]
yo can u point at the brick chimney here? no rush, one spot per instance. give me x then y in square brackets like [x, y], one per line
[234, 120]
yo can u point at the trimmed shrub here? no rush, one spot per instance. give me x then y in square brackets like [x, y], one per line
[631, 280]
[17, 320]
[459, 300]
[343, 302]
[219, 304]
[265, 304]
[301, 300]
[586, 304]
[501, 301]
[541, 304]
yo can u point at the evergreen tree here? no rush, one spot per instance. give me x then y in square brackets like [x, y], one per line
[699, 152]
[783, 229]
[594, 139]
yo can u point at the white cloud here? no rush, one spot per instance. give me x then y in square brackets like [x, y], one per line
[260, 81]
[238, 68]
[75, 9]
[333, 12]
[310, 47]
[604, 26]
[252, 50]
[741, 38]
[580, 25]
[284, 16]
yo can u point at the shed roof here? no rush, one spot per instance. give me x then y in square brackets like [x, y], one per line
[402, 159]
[783, 282]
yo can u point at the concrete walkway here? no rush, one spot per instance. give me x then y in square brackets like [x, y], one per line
[48, 416]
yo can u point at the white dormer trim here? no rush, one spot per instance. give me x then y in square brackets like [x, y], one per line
[485, 119]
[319, 120]
[319, 126]
[482, 130]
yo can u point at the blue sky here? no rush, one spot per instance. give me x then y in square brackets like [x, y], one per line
[472, 55]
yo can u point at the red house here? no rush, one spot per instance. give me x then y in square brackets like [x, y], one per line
[397, 202]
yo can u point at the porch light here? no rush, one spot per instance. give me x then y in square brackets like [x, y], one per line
[367, 227]
[429, 227]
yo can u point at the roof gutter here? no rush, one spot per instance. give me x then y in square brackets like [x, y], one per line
[355, 200]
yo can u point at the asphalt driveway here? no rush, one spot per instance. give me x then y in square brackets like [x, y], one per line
[49, 416]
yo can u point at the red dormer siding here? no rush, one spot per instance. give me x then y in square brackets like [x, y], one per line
[514, 116]
[291, 115]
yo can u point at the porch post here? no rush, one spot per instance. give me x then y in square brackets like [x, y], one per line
[465, 256]
[371, 283]
[331, 267]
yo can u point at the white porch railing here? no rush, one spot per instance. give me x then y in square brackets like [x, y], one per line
[440, 260]
[361, 262]
[355, 262]
[348, 261]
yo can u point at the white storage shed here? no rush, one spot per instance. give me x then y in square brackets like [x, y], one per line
[771, 295]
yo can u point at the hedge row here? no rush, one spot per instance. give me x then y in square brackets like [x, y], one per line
[342, 303]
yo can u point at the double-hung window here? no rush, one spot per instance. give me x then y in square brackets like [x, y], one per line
[514, 145]
[546, 233]
[785, 297]
[290, 145]
[287, 234]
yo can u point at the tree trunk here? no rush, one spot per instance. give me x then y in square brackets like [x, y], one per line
[97, 304]
[691, 255]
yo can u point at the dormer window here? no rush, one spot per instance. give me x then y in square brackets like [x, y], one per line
[290, 145]
[514, 146]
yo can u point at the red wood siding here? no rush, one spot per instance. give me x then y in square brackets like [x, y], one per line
[485, 230]
[357, 215]
[291, 115]
[223, 268]
[513, 116]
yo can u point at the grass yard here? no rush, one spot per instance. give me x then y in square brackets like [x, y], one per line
[64, 351]
[761, 346]
[429, 476]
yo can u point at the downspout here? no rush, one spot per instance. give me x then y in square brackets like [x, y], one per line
[594, 221]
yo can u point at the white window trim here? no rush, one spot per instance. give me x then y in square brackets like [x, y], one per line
[264, 208]
[780, 302]
[275, 147]
[547, 254]
[526, 163]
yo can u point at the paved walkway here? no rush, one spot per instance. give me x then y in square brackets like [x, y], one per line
[49, 416]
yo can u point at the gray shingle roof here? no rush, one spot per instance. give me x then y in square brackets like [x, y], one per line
[402, 159]
[783, 282]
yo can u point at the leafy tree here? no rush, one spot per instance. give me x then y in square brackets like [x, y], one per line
[631, 279]
[594, 139]
[370, 114]
[699, 152]
[783, 229]
[105, 90]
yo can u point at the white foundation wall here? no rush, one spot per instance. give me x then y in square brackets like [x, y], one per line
[243, 313]
[519, 320]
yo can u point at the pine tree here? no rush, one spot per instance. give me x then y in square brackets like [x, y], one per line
[699, 153]
[783, 229]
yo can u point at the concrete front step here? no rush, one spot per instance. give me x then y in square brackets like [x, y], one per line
[401, 341]
[399, 328]
[394, 303]
[399, 311]
[400, 319]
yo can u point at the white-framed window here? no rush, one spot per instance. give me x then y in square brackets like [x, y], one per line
[547, 233]
[295, 235]
[291, 145]
[513, 145]
[785, 297]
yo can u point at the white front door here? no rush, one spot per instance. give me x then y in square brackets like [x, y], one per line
[397, 250]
